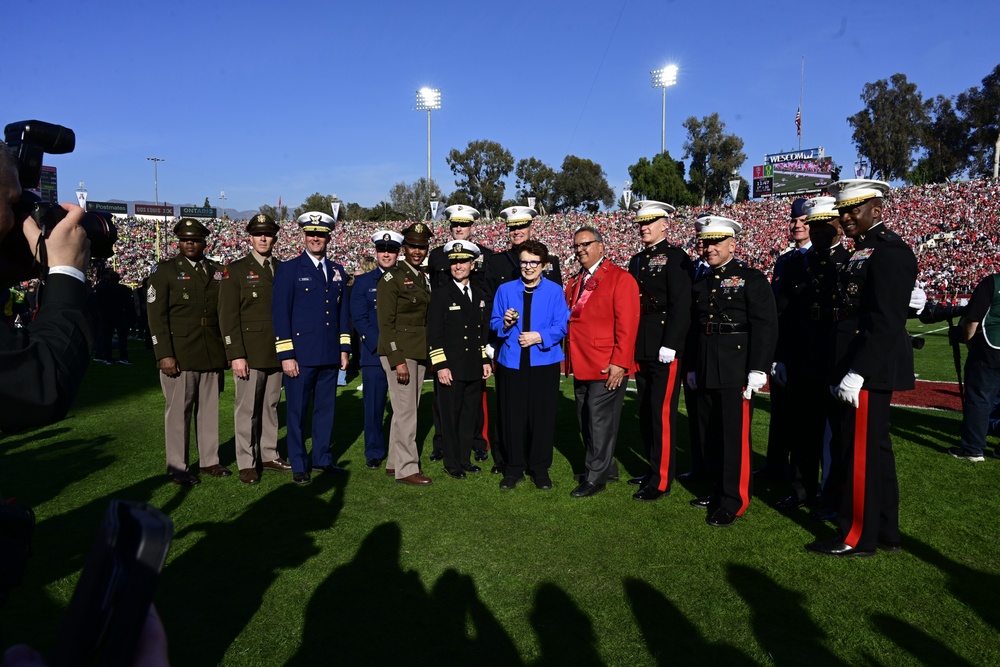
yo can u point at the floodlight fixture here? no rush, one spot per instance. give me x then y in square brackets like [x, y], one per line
[428, 99]
[664, 78]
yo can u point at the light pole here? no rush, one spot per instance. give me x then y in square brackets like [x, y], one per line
[428, 99]
[222, 196]
[156, 181]
[664, 78]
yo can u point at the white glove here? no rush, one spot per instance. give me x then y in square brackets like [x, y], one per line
[755, 382]
[918, 299]
[778, 373]
[489, 350]
[666, 355]
[849, 388]
[692, 381]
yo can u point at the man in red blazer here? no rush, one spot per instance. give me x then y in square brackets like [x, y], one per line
[604, 319]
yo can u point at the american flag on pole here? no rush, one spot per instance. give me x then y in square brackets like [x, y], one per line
[798, 122]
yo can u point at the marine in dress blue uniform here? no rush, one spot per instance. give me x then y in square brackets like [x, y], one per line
[375, 386]
[312, 333]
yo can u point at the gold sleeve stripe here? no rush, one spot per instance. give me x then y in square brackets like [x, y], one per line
[437, 356]
[345, 339]
[482, 349]
[284, 346]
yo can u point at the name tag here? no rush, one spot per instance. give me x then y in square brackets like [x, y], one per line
[454, 306]
[305, 280]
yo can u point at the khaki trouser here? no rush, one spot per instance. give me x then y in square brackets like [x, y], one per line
[403, 454]
[197, 393]
[256, 417]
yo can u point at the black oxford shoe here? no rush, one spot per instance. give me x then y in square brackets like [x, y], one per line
[792, 502]
[641, 480]
[471, 467]
[721, 518]
[508, 483]
[837, 548]
[437, 455]
[649, 493]
[586, 490]
[482, 455]
[301, 477]
[456, 473]
[703, 502]
[330, 469]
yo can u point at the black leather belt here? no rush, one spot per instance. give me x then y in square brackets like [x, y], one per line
[712, 328]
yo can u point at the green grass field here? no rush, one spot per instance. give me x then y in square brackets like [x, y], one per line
[362, 571]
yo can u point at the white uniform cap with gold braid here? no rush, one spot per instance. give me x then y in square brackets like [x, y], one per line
[314, 221]
[518, 216]
[387, 237]
[853, 191]
[461, 249]
[461, 213]
[820, 208]
[648, 209]
[716, 227]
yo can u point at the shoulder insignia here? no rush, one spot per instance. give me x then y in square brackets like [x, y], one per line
[151, 294]
[388, 276]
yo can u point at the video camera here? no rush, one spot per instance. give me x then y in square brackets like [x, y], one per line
[939, 312]
[29, 140]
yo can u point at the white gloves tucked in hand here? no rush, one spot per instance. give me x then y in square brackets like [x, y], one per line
[666, 355]
[755, 382]
[849, 388]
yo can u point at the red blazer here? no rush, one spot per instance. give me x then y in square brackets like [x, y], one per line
[603, 325]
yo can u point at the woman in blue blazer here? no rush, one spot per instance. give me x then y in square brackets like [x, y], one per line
[529, 318]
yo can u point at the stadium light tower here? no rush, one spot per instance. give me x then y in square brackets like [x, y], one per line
[664, 78]
[428, 99]
[156, 181]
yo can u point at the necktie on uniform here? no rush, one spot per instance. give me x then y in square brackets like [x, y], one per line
[267, 267]
[465, 291]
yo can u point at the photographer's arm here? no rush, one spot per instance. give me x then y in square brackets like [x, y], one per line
[968, 330]
[41, 367]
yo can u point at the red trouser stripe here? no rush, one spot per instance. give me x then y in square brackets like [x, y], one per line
[858, 472]
[745, 459]
[665, 435]
[486, 420]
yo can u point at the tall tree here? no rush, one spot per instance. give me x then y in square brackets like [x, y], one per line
[315, 202]
[662, 180]
[414, 200]
[276, 213]
[479, 171]
[979, 105]
[715, 157]
[945, 142]
[206, 205]
[888, 130]
[535, 179]
[582, 185]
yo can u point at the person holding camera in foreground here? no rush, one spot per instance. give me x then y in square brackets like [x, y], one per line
[42, 365]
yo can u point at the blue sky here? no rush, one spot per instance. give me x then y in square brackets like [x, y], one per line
[268, 99]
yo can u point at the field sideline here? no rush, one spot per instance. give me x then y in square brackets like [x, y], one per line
[359, 570]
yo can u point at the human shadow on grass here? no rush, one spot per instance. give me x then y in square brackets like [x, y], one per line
[348, 424]
[210, 593]
[568, 440]
[371, 611]
[977, 589]
[796, 639]
[670, 637]
[922, 647]
[934, 430]
[565, 633]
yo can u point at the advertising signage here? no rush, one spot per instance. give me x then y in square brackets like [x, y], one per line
[196, 212]
[148, 209]
[108, 206]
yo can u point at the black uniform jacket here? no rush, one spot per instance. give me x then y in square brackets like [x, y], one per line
[872, 341]
[734, 326]
[663, 272]
[456, 331]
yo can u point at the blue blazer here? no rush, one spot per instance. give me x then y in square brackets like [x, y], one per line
[364, 317]
[311, 318]
[549, 317]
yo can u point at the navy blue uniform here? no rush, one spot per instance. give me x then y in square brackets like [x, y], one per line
[312, 326]
[375, 386]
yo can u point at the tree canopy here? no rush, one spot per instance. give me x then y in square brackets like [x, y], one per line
[662, 180]
[479, 171]
[277, 214]
[536, 179]
[715, 157]
[414, 200]
[582, 185]
[315, 202]
[888, 130]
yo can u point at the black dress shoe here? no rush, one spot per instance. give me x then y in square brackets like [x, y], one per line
[330, 469]
[508, 483]
[217, 471]
[482, 455]
[373, 464]
[649, 493]
[641, 480]
[586, 490]
[496, 470]
[301, 477]
[543, 482]
[437, 455]
[703, 502]
[471, 467]
[457, 473]
[721, 518]
[582, 476]
[792, 502]
[837, 548]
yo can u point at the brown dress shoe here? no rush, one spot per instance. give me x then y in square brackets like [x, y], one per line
[390, 472]
[184, 479]
[416, 479]
[217, 471]
[276, 464]
[249, 476]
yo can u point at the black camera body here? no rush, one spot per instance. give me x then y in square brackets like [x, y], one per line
[29, 140]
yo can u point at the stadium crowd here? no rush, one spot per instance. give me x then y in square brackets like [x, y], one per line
[954, 229]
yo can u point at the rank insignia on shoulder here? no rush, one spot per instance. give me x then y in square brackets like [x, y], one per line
[151, 295]
[387, 277]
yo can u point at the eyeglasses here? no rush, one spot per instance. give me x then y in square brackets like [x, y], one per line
[581, 246]
[531, 263]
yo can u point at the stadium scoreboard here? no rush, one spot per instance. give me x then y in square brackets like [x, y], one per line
[792, 173]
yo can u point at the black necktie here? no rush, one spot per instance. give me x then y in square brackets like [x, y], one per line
[200, 268]
[465, 291]
[267, 267]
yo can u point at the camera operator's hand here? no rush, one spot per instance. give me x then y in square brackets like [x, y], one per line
[67, 244]
[168, 366]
